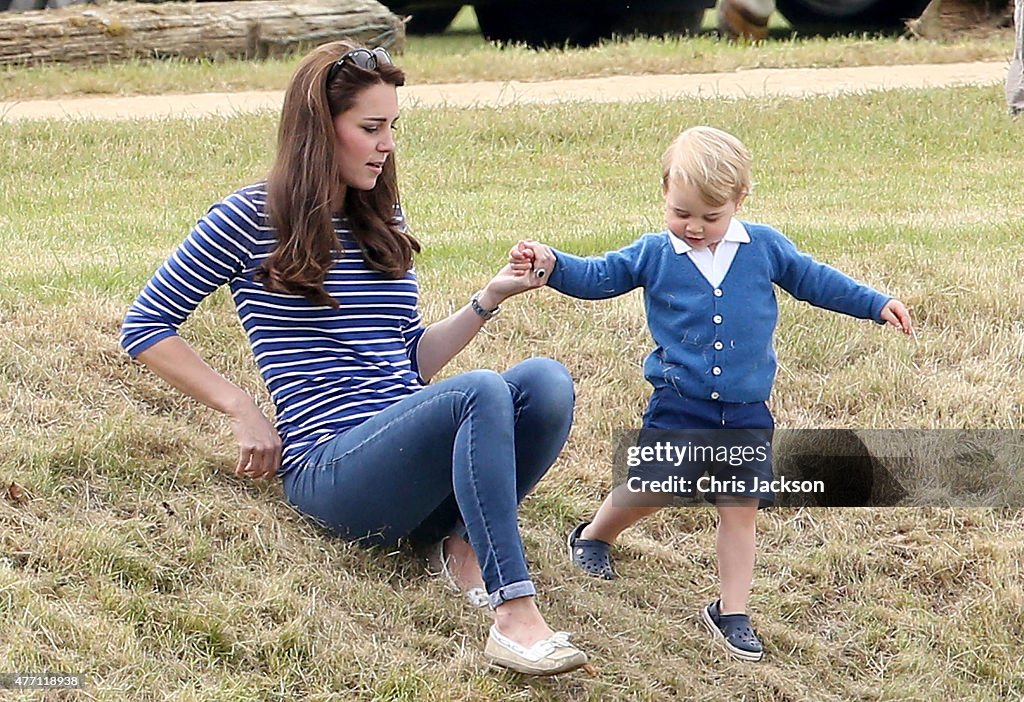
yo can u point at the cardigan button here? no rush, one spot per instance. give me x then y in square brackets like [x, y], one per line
[718, 292]
[717, 319]
[715, 395]
[716, 371]
[719, 346]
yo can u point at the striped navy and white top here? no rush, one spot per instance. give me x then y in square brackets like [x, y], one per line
[328, 369]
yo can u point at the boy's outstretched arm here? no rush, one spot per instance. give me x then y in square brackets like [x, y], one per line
[896, 314]
[824, 286]
[593, 278]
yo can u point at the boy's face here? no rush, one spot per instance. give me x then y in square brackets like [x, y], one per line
[694, 221]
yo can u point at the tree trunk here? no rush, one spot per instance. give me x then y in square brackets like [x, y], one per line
[255, 29]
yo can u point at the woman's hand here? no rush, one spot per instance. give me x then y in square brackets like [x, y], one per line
[529, 264]
[259, 446]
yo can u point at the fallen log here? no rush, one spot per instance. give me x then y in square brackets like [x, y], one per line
[946, 20]
[256, 29]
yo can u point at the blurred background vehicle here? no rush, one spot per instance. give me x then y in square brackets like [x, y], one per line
[546, 23]
[556, 23]
[582, 22]
[846, 16]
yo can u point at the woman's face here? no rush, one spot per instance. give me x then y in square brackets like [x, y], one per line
[365, 134]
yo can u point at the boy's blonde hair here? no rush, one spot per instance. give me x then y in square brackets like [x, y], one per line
[713, 161]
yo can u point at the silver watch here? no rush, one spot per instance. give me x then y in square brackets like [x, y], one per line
[474, 302]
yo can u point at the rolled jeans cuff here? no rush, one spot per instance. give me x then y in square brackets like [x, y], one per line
[512, 591]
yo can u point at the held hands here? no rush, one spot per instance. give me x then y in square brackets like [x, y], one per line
[532, 259]
[896, 314]
[529, 263]
[259, 446]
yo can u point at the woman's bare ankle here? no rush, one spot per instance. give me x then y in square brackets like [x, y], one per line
[462, 562]
[521, 621]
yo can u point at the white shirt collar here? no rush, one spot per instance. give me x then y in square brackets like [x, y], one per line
[736, 232]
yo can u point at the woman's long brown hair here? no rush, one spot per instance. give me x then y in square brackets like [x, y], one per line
[304, 183]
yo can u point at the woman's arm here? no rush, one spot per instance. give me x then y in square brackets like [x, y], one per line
[442, 341]
[173, 360]
[215, 251]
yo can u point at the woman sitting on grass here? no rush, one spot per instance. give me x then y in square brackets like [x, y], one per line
[320, 265]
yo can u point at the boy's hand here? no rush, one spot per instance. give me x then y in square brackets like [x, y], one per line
[520, 258]
[529, 263]
[896, 314]
[533, 258]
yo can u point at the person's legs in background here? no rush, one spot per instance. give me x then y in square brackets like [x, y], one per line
[1015, 74]
[745, 19]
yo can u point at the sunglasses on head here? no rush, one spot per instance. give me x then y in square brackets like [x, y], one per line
[367, 59]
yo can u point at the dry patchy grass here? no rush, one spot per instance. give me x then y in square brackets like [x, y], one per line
[137, 561]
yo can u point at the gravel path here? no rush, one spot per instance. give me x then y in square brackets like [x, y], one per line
[761, 82]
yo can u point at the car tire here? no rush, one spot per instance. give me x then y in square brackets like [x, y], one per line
[847, 16]
[655, 24]
[427, 20]
[542, 24]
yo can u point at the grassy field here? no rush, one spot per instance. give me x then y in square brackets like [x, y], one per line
[462, 55]
[129, 556]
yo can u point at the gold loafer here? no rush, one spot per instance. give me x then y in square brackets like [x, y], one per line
[548, 657]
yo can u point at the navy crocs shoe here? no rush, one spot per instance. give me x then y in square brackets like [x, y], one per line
[734, 631]
[592, 555]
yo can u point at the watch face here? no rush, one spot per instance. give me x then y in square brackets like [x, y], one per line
[474, 302]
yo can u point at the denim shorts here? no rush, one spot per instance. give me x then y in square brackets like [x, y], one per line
[706, 448]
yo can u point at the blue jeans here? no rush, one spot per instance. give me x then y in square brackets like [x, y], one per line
[455, 457]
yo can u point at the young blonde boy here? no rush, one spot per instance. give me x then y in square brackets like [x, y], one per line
[710, 303]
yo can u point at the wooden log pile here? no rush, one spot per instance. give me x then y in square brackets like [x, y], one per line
[947, 20]
[111, 32]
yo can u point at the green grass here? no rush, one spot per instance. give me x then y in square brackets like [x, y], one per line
[463, 55]
[141, 564]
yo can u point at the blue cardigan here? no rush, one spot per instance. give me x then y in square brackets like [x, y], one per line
[715, 343]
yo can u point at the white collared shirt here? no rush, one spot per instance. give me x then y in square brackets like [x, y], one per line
[714, 265]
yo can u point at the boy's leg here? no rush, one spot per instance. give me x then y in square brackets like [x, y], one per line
[666, 412]
[736, 545]
[726, 618]
[590, 543]
[751, 427]
[619, 511]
